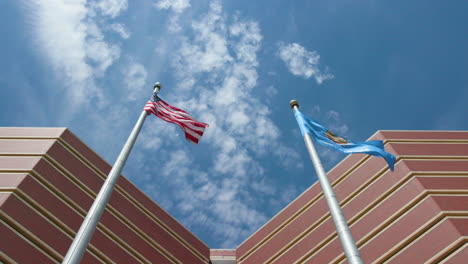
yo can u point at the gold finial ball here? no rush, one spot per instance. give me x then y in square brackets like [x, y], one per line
[293, 103]
[157, 85]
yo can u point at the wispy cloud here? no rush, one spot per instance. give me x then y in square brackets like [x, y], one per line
[73, 39]
[111, 8]
[120, 29]
[177, 7]
[216, 70]
[302, 62]
[336, 123]
[135, 76]
[69, 34]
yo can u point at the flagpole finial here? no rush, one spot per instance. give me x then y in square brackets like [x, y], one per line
[294, 103]
[157, 86]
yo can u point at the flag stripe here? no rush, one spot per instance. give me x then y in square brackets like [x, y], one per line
[191, 138]
[192, 133]
[173, 107]
[183, 124]
[165, 108]
[177, 116]
[193, 129]
[189, 134]
[181, 116]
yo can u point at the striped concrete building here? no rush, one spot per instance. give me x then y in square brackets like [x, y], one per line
[416, 214]
[48, 180]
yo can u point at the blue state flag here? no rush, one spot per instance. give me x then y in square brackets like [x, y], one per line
[325, 137]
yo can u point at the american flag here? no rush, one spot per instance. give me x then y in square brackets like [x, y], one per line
[193, 129]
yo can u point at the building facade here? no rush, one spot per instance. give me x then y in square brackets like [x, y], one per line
[416, 214]
[49, 179]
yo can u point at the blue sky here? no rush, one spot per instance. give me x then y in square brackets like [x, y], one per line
[356, 66]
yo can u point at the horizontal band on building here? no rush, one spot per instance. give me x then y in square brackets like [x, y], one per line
[346, 200]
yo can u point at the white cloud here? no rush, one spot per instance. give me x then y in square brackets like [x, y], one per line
[62, 36]
[175, 5]
[302, 62]
[288, 157]
[102, 54]
[271, 91]
[156, 134]
[70, 37]
[120, 29]
[336, 124]
[215, 66]
[216, 205]
[135, 79]
[111, 8]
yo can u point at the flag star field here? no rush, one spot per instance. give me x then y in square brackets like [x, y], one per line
[354, 66]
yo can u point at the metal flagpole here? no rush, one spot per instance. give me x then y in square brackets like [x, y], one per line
[346, 238]
[82, 238]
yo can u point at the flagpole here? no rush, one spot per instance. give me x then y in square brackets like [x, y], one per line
[346, 238]
[82, 238]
